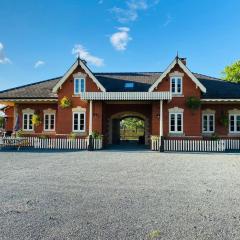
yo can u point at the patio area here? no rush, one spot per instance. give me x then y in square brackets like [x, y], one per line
[114, 194]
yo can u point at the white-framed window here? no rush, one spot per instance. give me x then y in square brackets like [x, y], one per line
[79, 121]
[27, 122]
[176, 122]
[208, 122]
[49, 121]
[79, 85]
[176, 85]
[234, 123]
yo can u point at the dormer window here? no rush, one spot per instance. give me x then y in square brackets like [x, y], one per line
[129, 85]
[176, 85]
[79, 85]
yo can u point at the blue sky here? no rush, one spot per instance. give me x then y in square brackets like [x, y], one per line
[40, 39]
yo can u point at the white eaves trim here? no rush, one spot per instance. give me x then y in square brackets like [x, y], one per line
[220, 100]
[70, 71]
[184, 68]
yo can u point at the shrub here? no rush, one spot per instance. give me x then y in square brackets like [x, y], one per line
[224, 120]
[42, 136]
[96, 135]
[72, 136]
[155, 137]
[65, 102]
[19, 133]
[193, 103]
[215, 137]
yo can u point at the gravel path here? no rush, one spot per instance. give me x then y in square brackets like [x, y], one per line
[119, 195]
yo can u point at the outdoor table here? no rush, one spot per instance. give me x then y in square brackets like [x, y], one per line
[14, 142]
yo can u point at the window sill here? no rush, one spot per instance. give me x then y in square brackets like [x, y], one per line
[49, 132]
[176, 135]
[234, 134]
[207, 133]
[177, 95]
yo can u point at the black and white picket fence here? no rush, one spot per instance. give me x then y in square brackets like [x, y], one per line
[52, 143]
[221, 145]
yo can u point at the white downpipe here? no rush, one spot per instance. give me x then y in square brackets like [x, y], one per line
[90, 118]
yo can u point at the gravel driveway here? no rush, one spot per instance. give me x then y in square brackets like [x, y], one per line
[119, 195]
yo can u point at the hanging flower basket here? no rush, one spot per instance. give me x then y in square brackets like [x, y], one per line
[36, 120]
[65, 102]
[224, 120]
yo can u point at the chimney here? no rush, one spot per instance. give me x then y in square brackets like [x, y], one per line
[184, 61]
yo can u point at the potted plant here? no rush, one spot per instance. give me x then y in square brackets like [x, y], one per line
[193, 103]
[96, 135]
[36, 120]
[65, 102]
[72, 136]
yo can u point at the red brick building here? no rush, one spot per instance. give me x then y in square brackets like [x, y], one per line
[168, 102]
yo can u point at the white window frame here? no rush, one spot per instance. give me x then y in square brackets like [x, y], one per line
[208, 125]
[176, 111]
[28, 122]
[79, 85]
[78, 130]
[175, 78]
[49, 114]
[235, 115]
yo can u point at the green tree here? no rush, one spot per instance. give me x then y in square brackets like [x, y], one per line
[1, 122]
[232, 72]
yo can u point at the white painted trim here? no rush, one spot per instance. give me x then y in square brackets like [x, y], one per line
[70, 71]
[29, 100]
[161, 119]
[220, 100]
[235, 115]
[175, 110]
[90, 116]
[175, 79]
[28, 110]
[28, 113]
[79, 131]
[74, 85]
[175, 119]
[126, 96]
[184, 68]
[234, 111]
[208, 111]
[49, 113]
[208, 114]
[78, 109]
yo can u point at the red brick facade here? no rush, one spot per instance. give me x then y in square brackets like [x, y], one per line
[103, 111]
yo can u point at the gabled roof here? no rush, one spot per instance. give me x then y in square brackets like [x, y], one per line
[38, 90]
[115, 82]
[77, 63]
[184, 68]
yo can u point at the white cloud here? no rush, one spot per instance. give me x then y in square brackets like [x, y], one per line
[39, 63]
[120, 39]
[168, 20]
[83, 53]
[130, 13]
[3, 58]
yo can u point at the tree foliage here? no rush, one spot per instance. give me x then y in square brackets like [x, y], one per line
[132, 123]
[232, 72]
[1, 122]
